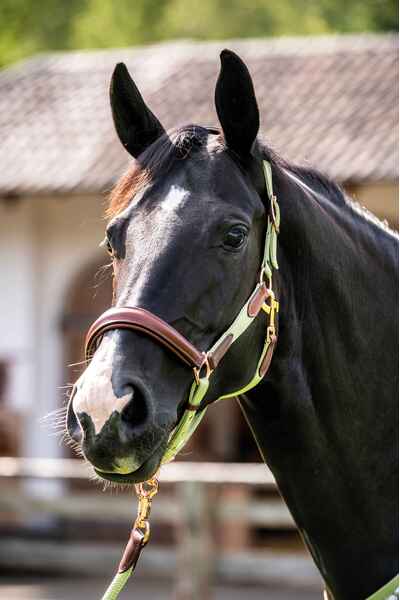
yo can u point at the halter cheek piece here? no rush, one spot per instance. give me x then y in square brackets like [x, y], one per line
[204, 363]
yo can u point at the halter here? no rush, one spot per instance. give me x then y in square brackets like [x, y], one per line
[204, 364]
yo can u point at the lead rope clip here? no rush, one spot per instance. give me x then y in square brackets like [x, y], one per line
[138, 538]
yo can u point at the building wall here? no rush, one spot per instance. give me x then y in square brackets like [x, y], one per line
[45, 242]
[382, 199]
[17, 316]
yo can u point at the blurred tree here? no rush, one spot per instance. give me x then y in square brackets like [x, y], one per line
[219, 19]
[29, 26]
[106, 23]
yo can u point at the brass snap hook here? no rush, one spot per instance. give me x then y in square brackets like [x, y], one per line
[145, 492]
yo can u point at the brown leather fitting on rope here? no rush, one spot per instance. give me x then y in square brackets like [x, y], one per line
[139, 319]
[132, 550]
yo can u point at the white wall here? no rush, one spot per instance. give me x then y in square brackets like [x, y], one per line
[17, 312]
[44, 243]
[382, 199]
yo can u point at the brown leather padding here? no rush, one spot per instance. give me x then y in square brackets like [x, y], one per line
[268, 357]
[257, 300]
[139, 319]
[132, 551]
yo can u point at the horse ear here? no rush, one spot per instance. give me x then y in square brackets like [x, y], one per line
[136, 125]
[236, 104]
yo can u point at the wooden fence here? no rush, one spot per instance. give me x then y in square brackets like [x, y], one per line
[205, 499]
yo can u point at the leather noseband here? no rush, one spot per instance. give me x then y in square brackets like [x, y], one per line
[139, 319]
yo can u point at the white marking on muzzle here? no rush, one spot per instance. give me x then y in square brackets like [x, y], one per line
[94, 392]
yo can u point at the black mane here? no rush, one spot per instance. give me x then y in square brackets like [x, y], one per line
[321, 184]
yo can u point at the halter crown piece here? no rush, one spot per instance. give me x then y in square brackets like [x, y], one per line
[261, 300]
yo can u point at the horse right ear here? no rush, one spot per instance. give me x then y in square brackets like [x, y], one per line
[236, 104]
[136, 125]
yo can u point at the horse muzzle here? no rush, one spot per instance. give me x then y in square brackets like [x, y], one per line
[117, 434]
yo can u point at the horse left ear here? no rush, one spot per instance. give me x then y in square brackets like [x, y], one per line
[136, 125]
[236, 104]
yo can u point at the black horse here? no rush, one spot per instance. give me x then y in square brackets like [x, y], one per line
[186, 232]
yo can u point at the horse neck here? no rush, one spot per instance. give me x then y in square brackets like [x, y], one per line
[324, 418]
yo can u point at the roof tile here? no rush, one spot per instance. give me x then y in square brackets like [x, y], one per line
[330, 102]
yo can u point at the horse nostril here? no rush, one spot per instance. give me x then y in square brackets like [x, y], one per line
[73, 427]
[136, 413]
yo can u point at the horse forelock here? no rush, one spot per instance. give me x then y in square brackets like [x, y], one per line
[156, 161]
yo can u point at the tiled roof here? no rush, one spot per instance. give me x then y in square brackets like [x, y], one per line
[325, 101]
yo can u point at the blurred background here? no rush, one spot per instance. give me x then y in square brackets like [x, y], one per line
[325, 74]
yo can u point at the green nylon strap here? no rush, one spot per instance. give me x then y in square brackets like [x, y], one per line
[268, 178]
[117, 585]
[270, 252]
[390, 591]
[189, 421]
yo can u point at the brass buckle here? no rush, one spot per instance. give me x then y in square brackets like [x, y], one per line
[271, 309]
[145, 492]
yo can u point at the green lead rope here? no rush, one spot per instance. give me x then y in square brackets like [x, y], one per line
[117, 585]
[390, 591]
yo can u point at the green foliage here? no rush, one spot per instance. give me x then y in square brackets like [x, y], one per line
[30, 26]
[107, 23]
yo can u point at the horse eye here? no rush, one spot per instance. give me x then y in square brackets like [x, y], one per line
[235, 237]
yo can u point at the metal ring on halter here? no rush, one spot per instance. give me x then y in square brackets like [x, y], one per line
[152, 488]
[267, 279]
[197, 370]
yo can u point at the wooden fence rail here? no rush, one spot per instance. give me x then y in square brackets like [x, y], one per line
[202, 502]
[175, 472]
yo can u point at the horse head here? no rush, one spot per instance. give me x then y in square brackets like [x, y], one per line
[186, 234]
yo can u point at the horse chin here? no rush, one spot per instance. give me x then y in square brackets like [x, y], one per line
[146, 471]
